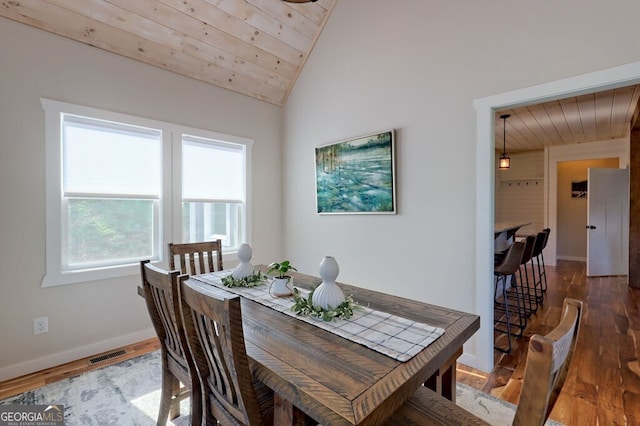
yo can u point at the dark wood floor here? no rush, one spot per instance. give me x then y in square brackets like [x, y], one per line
[603, 385]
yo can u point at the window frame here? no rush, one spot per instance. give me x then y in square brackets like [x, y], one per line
[216, 139]
[169, 211]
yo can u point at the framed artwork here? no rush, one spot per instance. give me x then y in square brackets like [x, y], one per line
[579, 189]
[357, 176]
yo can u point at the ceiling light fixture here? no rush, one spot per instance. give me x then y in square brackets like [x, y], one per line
[301, 1]
[505, 160]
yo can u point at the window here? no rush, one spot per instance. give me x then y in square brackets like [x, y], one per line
[119, 188]
[111, 189]
[212, 191]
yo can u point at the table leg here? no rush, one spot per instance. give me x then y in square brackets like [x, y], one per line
[443, 381]
[285, 413]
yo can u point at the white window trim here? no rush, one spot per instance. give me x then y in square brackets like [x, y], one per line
[170, 210]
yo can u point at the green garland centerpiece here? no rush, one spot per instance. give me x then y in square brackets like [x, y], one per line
[304, 306]
[255, 279]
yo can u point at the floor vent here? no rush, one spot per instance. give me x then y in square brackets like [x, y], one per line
[107, 356]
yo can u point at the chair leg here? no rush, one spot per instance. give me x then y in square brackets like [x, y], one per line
[537, 285]
[507, 314]
[165, 396]
[531, 296]
[542, 277]
[174, 409]
[196, 404]
[544, 273]
[520, 310]
[513, 305]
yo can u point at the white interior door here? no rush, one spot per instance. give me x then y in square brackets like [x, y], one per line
[608, 222]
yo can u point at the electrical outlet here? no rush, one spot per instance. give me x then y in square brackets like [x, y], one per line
[40, 325]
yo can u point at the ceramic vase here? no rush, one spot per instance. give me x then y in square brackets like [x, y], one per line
[328, 295]
[244, 268]
[281, 287]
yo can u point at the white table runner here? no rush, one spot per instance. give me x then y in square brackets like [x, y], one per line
[391, 335]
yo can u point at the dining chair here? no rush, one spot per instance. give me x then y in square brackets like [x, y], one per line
[547, 364]
[161, 296]
[548, 361]
[196, 258]
[230, 392]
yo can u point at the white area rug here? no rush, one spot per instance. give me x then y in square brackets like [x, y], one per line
[128, 393]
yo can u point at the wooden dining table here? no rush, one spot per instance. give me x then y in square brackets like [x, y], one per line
[335, 381]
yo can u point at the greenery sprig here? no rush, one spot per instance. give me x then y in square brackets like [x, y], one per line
[304, 306]
[253, 280]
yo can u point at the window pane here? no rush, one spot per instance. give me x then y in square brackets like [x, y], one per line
[212, 170]
[212, 221]
[101, 157]
[104, 232]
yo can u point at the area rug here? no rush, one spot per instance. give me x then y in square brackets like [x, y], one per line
[493, 410]
[128, 393]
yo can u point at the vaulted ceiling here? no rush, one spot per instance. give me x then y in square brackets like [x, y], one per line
[258, 48]
[253, 47]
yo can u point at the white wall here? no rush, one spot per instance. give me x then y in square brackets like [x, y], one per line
[418, 66]
[91, 317]
[519, 193]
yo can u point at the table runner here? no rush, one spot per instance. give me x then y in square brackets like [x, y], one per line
[391, 335]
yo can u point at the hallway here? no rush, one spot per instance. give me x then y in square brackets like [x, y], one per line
[603, 386]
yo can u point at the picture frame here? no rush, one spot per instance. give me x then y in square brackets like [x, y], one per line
[357, 175]
[579, 189]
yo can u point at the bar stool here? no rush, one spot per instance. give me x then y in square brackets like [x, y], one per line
[527, 287]
[546, 240]
[537, 262]
[508, 268]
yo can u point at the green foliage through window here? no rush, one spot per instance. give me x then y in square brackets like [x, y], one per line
[103, 230]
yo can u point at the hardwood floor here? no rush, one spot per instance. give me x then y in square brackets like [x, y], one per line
[603, 386]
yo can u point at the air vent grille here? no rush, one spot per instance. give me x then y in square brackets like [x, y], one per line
[105, 357]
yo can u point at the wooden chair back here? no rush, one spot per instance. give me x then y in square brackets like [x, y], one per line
[213, 324]
[548, 361]
[196, 258]
[161, 296]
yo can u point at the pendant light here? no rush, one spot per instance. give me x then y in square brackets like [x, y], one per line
[505, 160]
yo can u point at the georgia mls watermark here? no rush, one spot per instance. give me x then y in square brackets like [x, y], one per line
[31, 415]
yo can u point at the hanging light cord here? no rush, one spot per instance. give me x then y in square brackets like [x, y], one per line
[504, 133]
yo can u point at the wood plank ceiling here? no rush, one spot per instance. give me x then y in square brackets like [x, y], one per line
[592, 117]
[253, 47]
[258, 48]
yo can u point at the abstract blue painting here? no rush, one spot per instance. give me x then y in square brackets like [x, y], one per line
[357, 175]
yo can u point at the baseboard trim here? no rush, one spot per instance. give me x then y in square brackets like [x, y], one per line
[74, 354]
[573, 258]
[469, 360]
